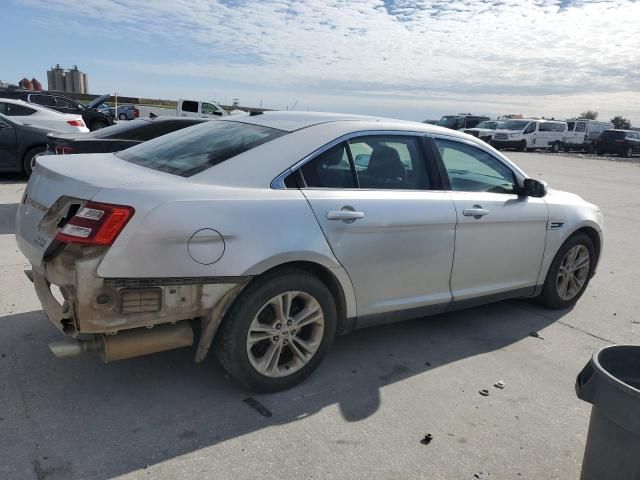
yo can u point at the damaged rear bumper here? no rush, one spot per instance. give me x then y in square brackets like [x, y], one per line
[89, 304]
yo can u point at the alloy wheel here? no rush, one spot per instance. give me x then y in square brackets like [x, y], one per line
[573, 272]
[285, 334]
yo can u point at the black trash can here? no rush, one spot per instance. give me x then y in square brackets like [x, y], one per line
[611, 382]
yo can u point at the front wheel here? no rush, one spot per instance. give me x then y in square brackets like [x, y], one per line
[555, 148]
[277, 331]
[122, 116]
[98, 124]
[569, 273]
[628, 152]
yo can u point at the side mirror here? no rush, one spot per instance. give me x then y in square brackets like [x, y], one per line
[534, 188]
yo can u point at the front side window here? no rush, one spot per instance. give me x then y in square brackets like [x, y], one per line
[471, 169]
[514, 125]
[530, 128]
[209, 109]
[193, 150]
[330, 169]
[556, 127]
[66, 103]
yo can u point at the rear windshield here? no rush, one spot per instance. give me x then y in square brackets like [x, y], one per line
[614, 134]
[191, 151]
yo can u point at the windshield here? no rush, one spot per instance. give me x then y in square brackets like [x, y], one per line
[448, 121]
[514, 125]
[488, 125]
[195, 149]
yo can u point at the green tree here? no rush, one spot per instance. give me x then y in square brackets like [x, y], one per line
[621, 123]
[590, 114]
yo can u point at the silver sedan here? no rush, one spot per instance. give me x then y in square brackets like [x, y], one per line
[276, 232]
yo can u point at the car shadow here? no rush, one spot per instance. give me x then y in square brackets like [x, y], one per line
[80, 418]
[7, 218]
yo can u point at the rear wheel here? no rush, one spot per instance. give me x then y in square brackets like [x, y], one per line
[277, 331]
[628, 153]
[122, 116]
[29, 159]
[569, 273]
[555, 148]
[98, 124]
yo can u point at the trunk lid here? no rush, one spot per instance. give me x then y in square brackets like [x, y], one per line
[59, 184]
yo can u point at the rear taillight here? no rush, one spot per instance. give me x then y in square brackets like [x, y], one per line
[136, 112]
[76, 123]
[96, 224]
[64, 150]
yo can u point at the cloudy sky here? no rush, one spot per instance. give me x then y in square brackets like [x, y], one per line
[411, 59]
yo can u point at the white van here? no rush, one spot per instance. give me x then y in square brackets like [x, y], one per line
[530, 133]
[199, 108]
[584, 134]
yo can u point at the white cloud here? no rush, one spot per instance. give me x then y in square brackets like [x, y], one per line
[529, 54]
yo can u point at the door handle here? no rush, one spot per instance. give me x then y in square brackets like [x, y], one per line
[476, 212]
[344, 215]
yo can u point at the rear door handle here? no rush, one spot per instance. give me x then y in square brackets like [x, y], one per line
[344, 215]
[476, 212]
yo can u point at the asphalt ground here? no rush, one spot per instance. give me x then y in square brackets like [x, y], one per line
[364, 411]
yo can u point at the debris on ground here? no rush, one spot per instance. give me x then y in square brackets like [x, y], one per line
[499, 384]
[258, 407]
[427, 439]
[484, 392]
[536, 335]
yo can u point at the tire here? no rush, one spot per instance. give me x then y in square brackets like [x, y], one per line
[555, 148]
[29, 159]
[98, 124]
[254, 309]
[551, 295]
[599, 153]
[628, 152]
[122, 116]
[522, 147]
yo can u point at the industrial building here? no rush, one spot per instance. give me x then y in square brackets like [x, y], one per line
[67, 80]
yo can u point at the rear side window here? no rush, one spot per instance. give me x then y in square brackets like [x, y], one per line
[613, 134]
[196, 149]
[330, 169]
[581, 127]
[556, 127]
[190, 106]
[46, 100]
[12, 110]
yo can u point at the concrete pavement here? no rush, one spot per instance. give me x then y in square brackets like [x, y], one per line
[362, 414]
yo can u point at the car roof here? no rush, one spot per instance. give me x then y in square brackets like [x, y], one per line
[292, 121]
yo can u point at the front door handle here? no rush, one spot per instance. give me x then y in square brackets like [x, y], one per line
[476, 212]
[344, 215]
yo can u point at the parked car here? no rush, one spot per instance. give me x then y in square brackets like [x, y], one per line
[484, 130]
[117, 137]
[20, 144]
[620, 142]
[262, 229]
[32, 114]
[430, 122]
[125, 112]
[584, 134]
[93, 118]
[199, 108]
[531, 134]
[461, 121]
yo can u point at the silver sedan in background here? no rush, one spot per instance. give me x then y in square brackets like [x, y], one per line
[276, 232]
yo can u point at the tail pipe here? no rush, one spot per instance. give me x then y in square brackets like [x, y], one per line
[129, 343]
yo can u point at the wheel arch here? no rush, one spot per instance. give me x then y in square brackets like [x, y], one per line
[332, 282]
[594, 235]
